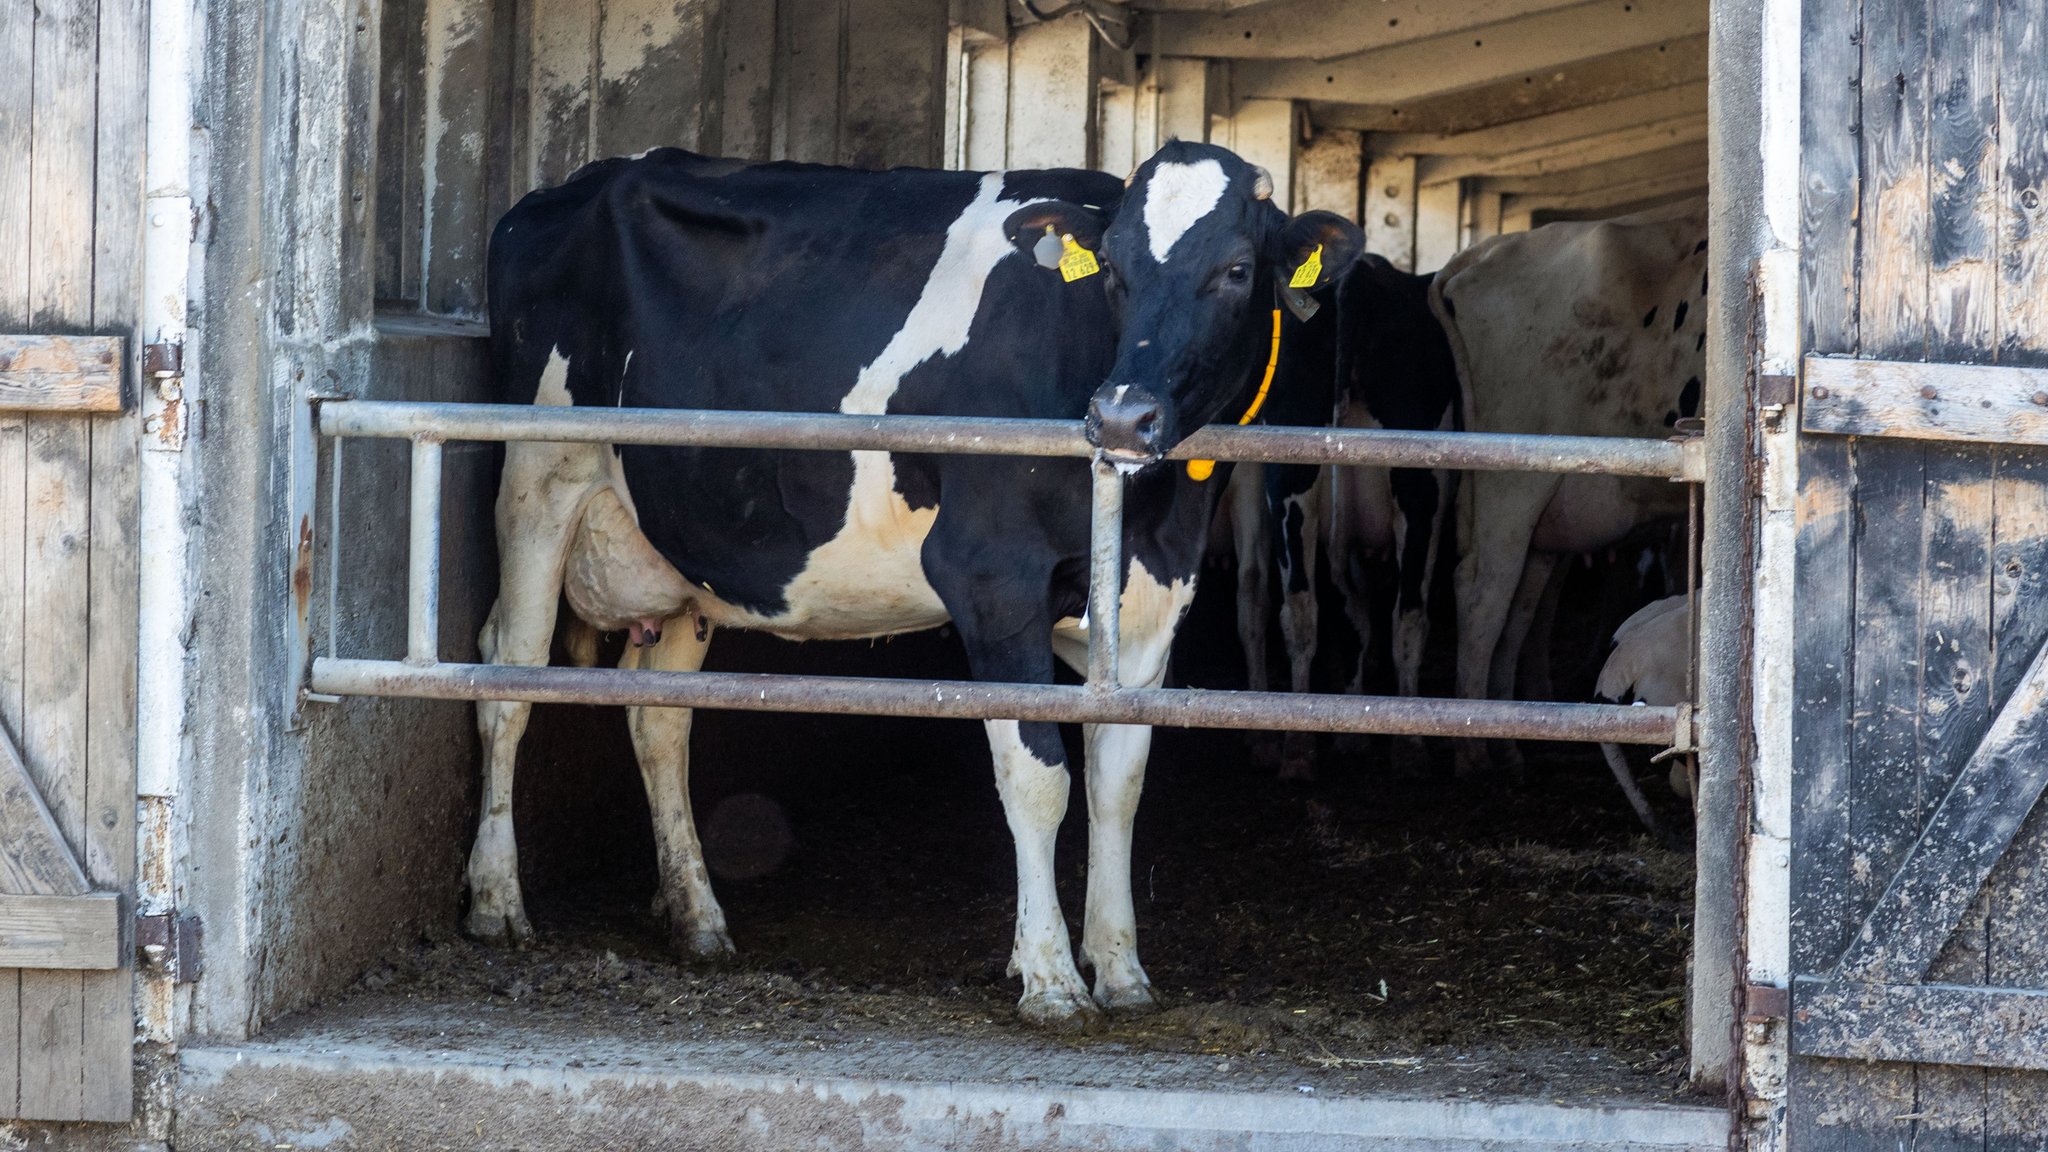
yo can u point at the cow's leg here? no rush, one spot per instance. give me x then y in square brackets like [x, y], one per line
[1541, 571]
[1421, 511]
[998, 602]
[661, 742]
[1148, 618]
[1497, 515]
[539, 499]
[1297, 524]
[1532, 663]
[1248, 519]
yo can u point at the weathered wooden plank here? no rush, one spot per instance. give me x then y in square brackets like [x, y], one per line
[1975, 822]
[398, 38]
[52, 1064]
[1321, 29]
[1894, 291]
[35, 860]
[894, 83]
[60, 373]
[1980, 403]
[808, 72]
[72, 932]
[1884, 777]
[10, 1041]
[2022, 133]
[457, 104]
[1962, 178]
[564, 68]
[1825, 570]
[1922, 1023]
[60, 165]
[1831, 74]
[17, 77]
[748, 109]
[109, 850]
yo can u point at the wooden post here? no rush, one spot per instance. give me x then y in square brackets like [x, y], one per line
[1052, 95]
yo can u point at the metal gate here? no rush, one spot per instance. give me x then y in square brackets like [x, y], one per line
[1101, 700]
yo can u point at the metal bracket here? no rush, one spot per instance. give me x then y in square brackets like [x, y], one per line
[1775, 392]
[1683, 739]
[163, 365]
[168, 944]
[1762, 1003]
[1690, 436]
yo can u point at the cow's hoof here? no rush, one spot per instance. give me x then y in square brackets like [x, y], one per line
[1060, 1010]
[702, 943]
[1129, 1000]
[498, 928]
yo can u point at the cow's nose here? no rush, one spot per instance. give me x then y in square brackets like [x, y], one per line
[1127, 422]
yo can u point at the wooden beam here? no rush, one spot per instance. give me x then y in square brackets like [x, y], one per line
[52, 932]
[1921, 1023]
[1614, 199]
[1452, 63]
[1592, 177]
[1321, 29]
[1975, 403]
[35, 860]
[1966, 836]
[1618, 145]
[1554, 128]
[1529, 94]
[60, 373]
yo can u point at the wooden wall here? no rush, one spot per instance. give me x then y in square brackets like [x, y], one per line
[483, 100]
[71, 121]
[1923, 585]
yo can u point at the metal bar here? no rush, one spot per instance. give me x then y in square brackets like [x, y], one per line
[1105, 577]
[968, 700]
[423, 560]
[1472, 451]
[334, 551]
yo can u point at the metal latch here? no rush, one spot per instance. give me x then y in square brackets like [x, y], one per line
[168, 944]
[163, 360]
[1775, 392]
[163, 365]
[1684, 740]
[1762, 1003]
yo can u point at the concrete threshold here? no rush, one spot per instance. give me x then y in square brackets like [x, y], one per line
[350, 1088]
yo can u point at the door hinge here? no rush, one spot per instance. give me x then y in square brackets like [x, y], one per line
[168, 944]
[1763, 1002]
[163, 366]
[1775, 392]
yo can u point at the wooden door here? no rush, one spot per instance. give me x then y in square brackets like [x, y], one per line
[72, 76]
[1920, 855]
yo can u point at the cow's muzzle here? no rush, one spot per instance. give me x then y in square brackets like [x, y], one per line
[1128, 423]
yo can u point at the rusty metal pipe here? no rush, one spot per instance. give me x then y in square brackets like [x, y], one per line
[967, 700]
[1105, 577]
[838, 432]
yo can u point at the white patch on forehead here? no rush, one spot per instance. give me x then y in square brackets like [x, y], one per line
[1176, 196]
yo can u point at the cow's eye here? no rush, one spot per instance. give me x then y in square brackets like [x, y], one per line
[1238, 273]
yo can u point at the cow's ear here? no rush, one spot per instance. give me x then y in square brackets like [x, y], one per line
[1027, 227]
[1316, 248]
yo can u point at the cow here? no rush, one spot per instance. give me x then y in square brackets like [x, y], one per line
[1581, 328]
[673, 280]
[1371, 356]
[1651, 663]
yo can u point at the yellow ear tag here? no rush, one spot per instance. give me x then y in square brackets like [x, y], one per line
[1310, 271]
[1075, 261]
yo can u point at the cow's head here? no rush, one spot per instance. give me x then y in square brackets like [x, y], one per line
[1193, 261]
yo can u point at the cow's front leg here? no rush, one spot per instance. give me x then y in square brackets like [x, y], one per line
[1149, 616]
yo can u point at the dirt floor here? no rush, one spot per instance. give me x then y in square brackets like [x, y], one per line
[1369, 921]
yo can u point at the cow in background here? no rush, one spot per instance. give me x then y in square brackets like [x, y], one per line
[674, 280]
[1589, 329]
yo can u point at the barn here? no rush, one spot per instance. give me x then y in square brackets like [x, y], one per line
[246, 546]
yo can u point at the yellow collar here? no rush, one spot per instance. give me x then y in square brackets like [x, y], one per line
[1203, 469]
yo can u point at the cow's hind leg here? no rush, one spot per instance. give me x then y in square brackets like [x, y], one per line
[1297, 514]
[539, 500]
[661, 742]
[1497, 515]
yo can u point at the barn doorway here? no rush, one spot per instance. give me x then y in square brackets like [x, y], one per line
[1368, 933]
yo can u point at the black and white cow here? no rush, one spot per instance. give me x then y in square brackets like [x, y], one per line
[1590, 329]
[1372, 356]
[672, 280]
